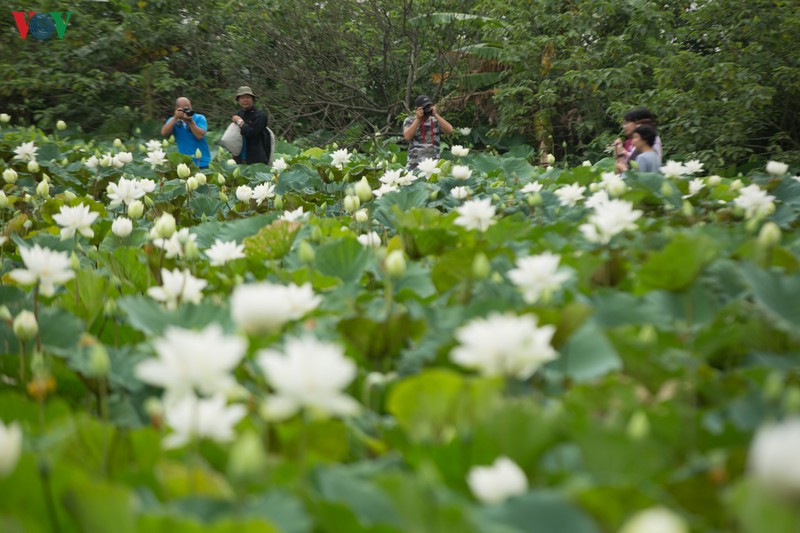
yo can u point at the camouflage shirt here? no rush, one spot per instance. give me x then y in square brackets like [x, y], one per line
[425, 143]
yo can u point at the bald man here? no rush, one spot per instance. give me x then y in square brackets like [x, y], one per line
[189, 129]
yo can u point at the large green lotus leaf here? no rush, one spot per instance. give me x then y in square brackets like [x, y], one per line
[282, 509]
[616, 308]
[451, 268]
[99, 507]
[59, 330]
[777, 295]
[424, 507]
[404, 200]
[234, 230]
[342, 485]
[147, 315]
[322, 440]
[757, 510]
[271, 242]
[343, 258]
[381, 339]
[170, 190]
[510, 229]
[205, 204]
[678, 264]
[587, 355]
[179, 480]
[128, 266]
[300, 179]
[175, 524]
[695, 307]
[15, 406]
[415, 282]
[433, 404]
[539, 511]
[517, 428]
[336, 517]
[93, 291]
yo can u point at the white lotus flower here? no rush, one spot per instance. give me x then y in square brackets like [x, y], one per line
[191, 418]
[655, 520]
[532, 187]
[476, 214]
[26, 152]
[10, 447]
[124, 157]
[407, 179]
[308, 374]
[193, 362]
[391, 177]
[106, 160]
[146, 185]
[695, 186]
[777, 169]
[279, 165]
[125, 190]
[152, 145]
[428, 167]
[244, 193]
[264, 307]
[384, 189]
[693, 167]
[156, 157]
[45, 266]
[459, 193]
[293, 216]
[609, 219]
[370, 239]
[773, 459]
[340, 157]
[504, 345]
[5, 118]
[461, 172]
[674, 169]
[75, 219]
[538, 276]
[183, 170]
[498, 482]
[263, 191]
[92, 162]
[178, 286]
[755, 201]
[570, 195]
[613, 184]
[464, 131]
[458, 151]
[222, 252]
[598, 198]
[122, 227]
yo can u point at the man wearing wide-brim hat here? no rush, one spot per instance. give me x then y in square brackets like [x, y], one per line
[253, 124]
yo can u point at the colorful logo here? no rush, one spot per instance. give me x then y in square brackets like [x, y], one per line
[41, 25]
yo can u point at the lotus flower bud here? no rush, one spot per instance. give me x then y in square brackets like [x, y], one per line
[191, 184]
[306, 252]
[736, 185]
[769, 235]
[713, 181]
[164, 226]
[25, 326]
[5, 118]
[10, 175]
[363, 190]
[395, 263]
[481, 268]
[33, 167]
[198, 154]
[118, 143]
[61, 125]
[201, 178]
[362, 215]
[99, 362]
[278, 202]
[638, 426]
[220, 178]
[135, 209]
[3, 199]
[43, 189]
[551, 159]
[351, 204]
[183, 171]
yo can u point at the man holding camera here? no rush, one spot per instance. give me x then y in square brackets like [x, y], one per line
[423, 132]
[189, 129]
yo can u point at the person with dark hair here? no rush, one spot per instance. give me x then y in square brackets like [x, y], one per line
[423, 132]
[643, 138]
[189, 129]
[253, 124]
[626, 152]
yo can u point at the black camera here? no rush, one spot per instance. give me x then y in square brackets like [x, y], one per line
[428, 110]
[188, 112]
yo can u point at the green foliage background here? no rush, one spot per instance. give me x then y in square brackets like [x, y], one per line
[723, 76]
